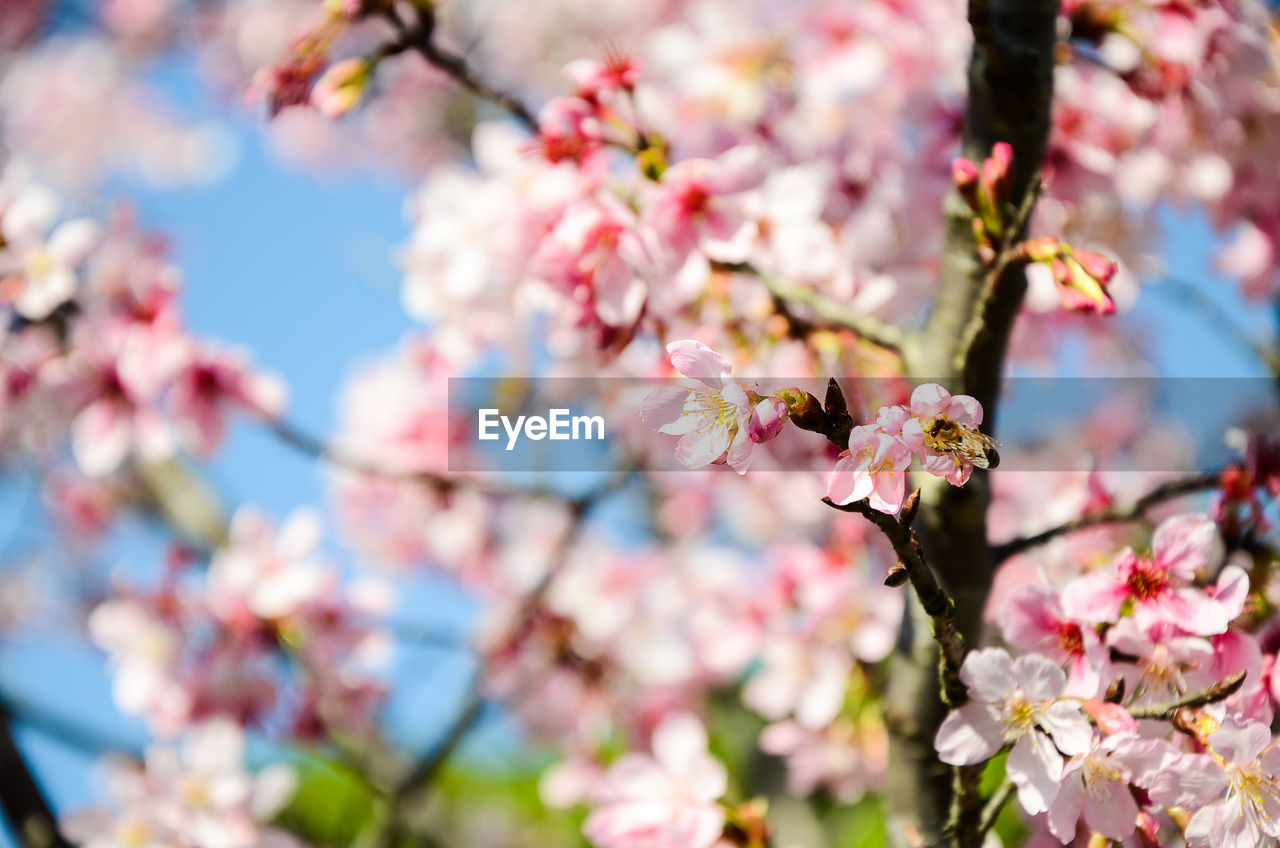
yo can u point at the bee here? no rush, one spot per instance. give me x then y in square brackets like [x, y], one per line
[962, 442]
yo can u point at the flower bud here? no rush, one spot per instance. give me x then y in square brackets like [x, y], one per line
[1095, 265]
[1080, 290]
[768, 417]
[341, 87]
[965, 176]
[802, 408]
[1110, 718]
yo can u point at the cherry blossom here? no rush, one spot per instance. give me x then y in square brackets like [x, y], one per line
[667, 798]
[874, 467]
[198, 794]
[39, 267]
[1096, 785]
[1242, 761]
[1016, 701]
[1156, 587]
[712, 420]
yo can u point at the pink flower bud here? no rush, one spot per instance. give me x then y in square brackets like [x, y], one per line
[767, 420]
[1110, 718]
[1096, 265]
[341, 87]
[1043, 249]
[1081, 291]
[965, 176]
[995, 174]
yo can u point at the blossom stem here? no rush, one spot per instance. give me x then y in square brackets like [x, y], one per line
[868, 327]
[1004, 273]
[991, 812]
[421, 38]
[1211, 694]
[1168, 491]
[933, 598]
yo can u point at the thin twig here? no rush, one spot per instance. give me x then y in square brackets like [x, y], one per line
[933, 598]
[868, 327]
[1008, 260]
[1168, 491]
[316, 448]
[991, 812]
[1211, 694]
[426, 769]
[421, 38]
[1213, 313]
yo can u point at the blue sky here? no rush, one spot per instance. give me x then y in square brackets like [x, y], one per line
[301, 270]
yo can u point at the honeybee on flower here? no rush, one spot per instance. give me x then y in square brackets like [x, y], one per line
[944, 429]
[964, 443]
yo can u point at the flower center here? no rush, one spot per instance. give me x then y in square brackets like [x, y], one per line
[1070, 638]
[1020, 715]
[38, 264]
[713, 411]
[1146, 581]
[1257, 792]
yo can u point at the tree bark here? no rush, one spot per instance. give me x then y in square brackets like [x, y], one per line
[1009, 99]
[25, 807]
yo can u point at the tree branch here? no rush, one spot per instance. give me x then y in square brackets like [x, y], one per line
[24, 804]
[1168, 491]
[1211, 694]
[991, 812]
[316, 448]
[425, 769]
[933, 598]
[420, 37]
[1010, 94]
[868, 327]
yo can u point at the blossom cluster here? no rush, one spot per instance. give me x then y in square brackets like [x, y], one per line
[96, 350]
[197, 794]
[722, 421]
[1089, 708]
[264, 637]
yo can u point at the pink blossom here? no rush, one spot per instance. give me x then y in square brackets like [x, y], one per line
[262, 574]
[875, 467]
[712, 420]
[211, 380]
[1096, 785]
[597, 255]
[122, 414]
[569, 131]
[1156, 587]
[1016, 701]
[666, 799]
[1245, 764]
[39, 271]
[198, 794]
[696, 206]
[932, 405]
[847, 758]
[1033, 618]
[768, 417]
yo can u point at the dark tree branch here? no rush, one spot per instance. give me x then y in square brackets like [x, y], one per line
[1010, 95]
[24, 804]
[420, 37]
[1171, 490]
[933, 598]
